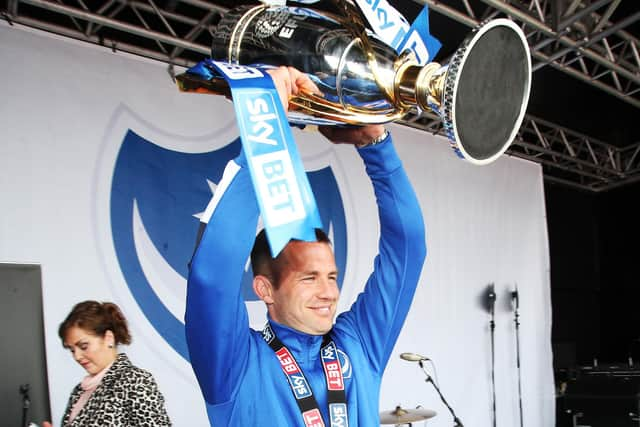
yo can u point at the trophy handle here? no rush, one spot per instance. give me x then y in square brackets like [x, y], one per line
[320, 107]
[354, 23]
[305, 102]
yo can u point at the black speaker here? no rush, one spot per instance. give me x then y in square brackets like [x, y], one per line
[607, 398]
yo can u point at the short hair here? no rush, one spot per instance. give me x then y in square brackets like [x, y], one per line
[263, 264]
[97, 318]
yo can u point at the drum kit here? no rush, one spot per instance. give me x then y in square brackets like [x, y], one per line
[400, 416]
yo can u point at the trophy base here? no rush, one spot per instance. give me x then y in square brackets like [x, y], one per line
[486, 91]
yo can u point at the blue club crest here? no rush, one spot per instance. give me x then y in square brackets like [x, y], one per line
[156, 195]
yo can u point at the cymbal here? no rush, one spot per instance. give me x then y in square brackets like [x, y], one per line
[404, 416]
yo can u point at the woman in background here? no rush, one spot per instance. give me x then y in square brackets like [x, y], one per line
[115, 392]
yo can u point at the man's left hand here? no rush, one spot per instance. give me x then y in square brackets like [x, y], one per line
[357, 135]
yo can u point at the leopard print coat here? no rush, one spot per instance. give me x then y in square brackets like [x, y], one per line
[127, 396]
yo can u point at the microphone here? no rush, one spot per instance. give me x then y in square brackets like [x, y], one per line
[490, 297]
[413, 357]
[515, 297]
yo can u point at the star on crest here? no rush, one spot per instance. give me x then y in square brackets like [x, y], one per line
[212, 186]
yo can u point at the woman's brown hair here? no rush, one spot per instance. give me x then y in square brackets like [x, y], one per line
[97, 318]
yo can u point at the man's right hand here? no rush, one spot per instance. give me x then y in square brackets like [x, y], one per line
[290, 82]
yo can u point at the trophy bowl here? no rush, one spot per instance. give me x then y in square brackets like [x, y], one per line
[480, 96]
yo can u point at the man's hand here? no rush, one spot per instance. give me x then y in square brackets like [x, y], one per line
[357, 135]
[290, 82]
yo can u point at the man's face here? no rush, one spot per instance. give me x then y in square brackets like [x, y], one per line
[307, 296]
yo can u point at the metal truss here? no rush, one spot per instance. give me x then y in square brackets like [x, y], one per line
[577, 38]
[567, 157]
[574, 36]
[178, 32]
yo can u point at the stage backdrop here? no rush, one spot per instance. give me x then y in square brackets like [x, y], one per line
[105, 166]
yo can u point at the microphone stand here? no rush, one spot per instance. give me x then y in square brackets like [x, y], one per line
[516, 321]
[491, 301]
[456, 420]
[26, 402]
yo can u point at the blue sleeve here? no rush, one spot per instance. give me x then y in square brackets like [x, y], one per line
[379, 312]
[216, 319]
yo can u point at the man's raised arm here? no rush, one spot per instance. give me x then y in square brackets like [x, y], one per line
[216, 320]
[379, 312]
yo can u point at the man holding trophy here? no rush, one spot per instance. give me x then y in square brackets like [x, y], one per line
[302, 369]
[328, 69]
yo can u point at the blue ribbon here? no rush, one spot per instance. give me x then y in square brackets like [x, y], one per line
[420, 40]
[393, 28]
[284, 195]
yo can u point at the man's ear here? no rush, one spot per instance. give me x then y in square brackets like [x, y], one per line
[263, 288]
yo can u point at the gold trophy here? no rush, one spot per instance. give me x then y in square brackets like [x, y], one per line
[480, 96]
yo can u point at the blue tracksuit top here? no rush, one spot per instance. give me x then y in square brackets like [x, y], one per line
[239, 374]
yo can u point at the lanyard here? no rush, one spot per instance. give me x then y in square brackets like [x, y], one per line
[300, 387]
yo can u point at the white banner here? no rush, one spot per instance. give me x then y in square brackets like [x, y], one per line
[105, 167]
